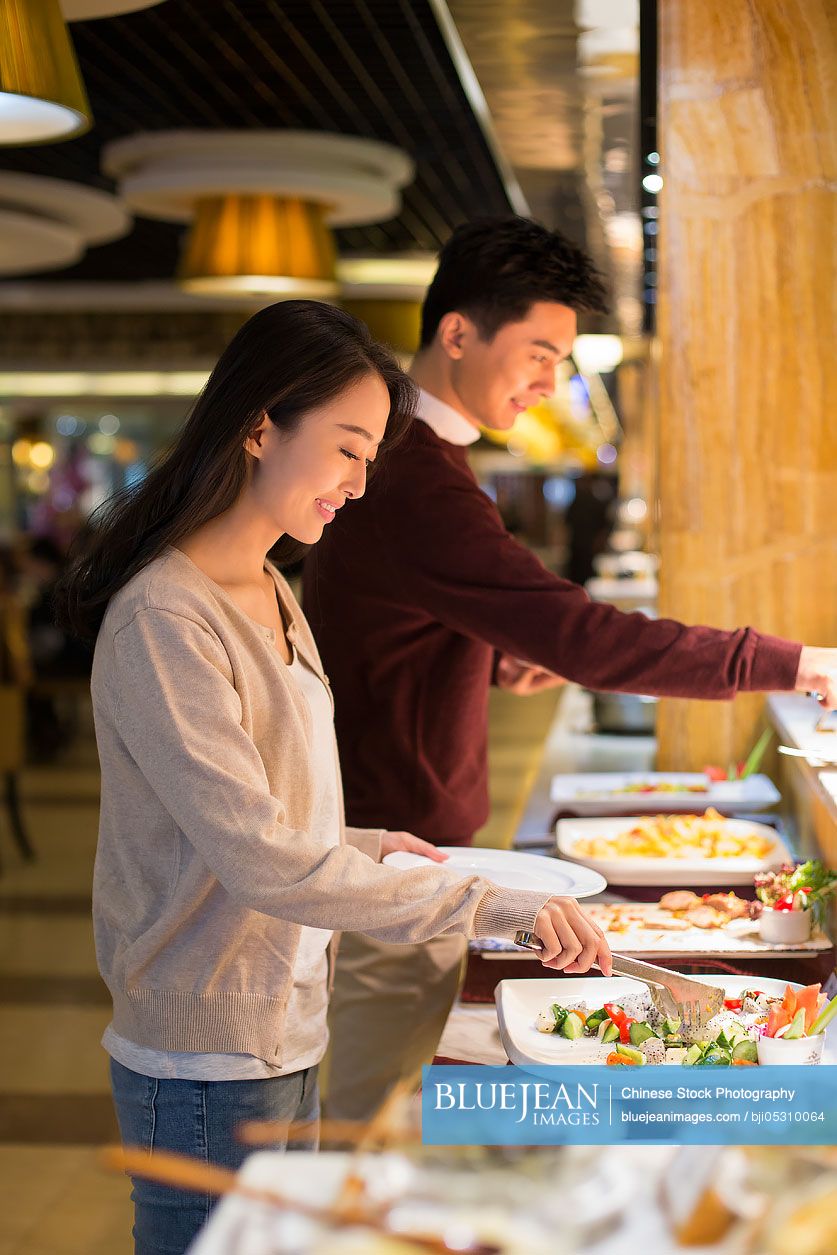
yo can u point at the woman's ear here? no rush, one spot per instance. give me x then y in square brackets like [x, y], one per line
[254, 443]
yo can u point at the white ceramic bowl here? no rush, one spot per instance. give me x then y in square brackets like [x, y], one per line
[800, 1050]
[784, 927]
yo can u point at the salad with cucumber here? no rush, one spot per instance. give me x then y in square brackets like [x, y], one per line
[633, 1033]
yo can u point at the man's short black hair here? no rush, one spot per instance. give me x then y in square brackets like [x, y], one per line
[495, 269]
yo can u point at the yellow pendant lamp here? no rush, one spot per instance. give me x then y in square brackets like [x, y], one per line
[259, 243]
[261, 205]
[42, 95]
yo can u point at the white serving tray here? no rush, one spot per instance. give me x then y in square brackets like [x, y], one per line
[596, 793]
[595, 1195]
[519, 1001]
[511, 869]
[671, 872]
[738, 939]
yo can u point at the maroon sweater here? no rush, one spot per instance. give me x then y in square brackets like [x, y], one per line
[409, 594]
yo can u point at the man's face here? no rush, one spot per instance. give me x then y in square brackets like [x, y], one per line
[497, 379]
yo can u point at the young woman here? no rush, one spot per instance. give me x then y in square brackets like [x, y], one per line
[224, 864]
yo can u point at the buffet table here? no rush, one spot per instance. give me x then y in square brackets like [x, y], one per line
[571, 747]
[808, 783]
[637, 1200]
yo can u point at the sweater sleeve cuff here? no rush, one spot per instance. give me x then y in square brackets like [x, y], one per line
[775, 664]
[504, 912]
[367, 840]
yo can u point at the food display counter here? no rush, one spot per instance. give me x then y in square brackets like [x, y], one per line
[714, 933]
[807, 776]
[678, 1195]
[566, 1199]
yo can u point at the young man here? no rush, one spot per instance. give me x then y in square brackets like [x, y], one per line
[418, 597]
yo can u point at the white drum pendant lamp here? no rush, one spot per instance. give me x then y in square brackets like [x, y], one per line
[49, 224]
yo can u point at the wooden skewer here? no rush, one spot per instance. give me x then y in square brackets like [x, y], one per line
[183, 1173]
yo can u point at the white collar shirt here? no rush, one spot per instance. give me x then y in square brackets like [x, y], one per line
[445, 421]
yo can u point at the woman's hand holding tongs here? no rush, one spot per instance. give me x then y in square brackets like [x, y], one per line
[570, 941]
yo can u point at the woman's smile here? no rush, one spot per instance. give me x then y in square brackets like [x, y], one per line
[327, 509]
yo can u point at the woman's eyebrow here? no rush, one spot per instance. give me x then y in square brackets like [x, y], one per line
[359, 431]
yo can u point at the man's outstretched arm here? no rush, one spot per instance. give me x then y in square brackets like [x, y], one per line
[462, 566]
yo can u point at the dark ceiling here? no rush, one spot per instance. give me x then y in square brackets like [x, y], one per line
[375, 68]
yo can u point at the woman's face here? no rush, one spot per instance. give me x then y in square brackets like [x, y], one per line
[300, 481]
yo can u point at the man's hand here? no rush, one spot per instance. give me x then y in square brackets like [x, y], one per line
[571, 941]
[392, 841]
[516, 676]
[818, 674]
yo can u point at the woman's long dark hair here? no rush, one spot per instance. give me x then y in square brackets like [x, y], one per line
[285, 361]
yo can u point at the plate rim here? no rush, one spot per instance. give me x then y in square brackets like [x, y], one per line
[571, 865]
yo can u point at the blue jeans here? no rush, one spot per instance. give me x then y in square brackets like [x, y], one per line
[197, 1118]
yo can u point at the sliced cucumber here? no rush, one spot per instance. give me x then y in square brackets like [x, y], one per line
[797, 1026]
[670, 1027]
[640, 1032]
[607, 1031]
[595, 1018]
[573, 1026]
[635, 1056]
[746, 1050]
[693, 1054]
[560, 1014]
[715, 1058]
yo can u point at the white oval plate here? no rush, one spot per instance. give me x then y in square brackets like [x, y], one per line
[519, 1001]
[671, 872]
[606, 793]
[511, 869]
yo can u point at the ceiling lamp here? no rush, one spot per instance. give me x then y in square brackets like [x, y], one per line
[42, 93]
[265, 244]
[42, 96]
[47, 224]
[260, 203]
[400, 276]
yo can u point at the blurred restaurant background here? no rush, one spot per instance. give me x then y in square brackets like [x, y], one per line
[155, 156]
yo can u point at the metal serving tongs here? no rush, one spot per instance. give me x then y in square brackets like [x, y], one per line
[814, 757]
[673, 995]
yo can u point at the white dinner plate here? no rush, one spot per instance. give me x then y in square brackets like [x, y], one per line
[519, 1001]
[511, 869]
[603, 793]
[671, 872]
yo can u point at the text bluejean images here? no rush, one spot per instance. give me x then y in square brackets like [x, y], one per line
[471, 1105]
